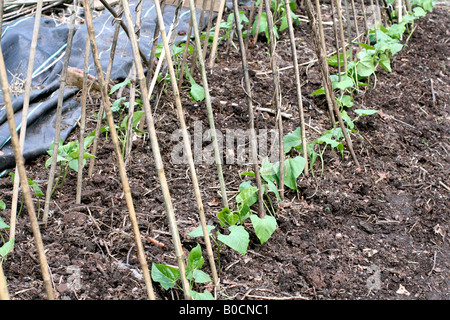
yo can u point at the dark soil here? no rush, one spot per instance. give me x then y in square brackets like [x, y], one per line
[380, 232]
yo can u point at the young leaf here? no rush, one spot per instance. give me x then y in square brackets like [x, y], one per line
[363, 112]
[292, 140]
[6, 248]
[206, 295]
[264, 228]
[198, 232]
[195, 261]
[293, 169]
[119, 85]
[385, 62]
[2, 205]
[227, 218]
[165, 275]
[3, 225]
[238, 239]
[200, 276]
[366, 64]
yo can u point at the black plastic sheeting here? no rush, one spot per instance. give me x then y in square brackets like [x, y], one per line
[52, 42]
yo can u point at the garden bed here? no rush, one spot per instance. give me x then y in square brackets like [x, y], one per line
[376, 233]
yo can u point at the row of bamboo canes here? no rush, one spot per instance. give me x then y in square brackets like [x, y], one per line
[147, 83]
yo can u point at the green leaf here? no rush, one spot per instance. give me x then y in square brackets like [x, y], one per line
[366, 46]
[197, 92]
[385, 62]
[345, 83]
[227, 218]
[292, 140]
[2, 205]
[248, 173]
[3, 225]
[419, 12]
[363, 112]
[267, 171]
[238, 239]
[272, 187]
[37, 191]
[201, 277]
[198, 232]
[195, 261]
[264, 228]
[333, 61]
[345, 101]
[293, 169]
[119, 85]
[206, 295]
[247, 194]
[165, 275]
[6, 248]
[366, 63]
[318, 92]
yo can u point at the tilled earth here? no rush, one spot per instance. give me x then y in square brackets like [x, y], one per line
[376, 233]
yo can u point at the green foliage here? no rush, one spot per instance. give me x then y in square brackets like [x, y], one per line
[7, 246]
[68, 154]
[281, 23]
[167, 276]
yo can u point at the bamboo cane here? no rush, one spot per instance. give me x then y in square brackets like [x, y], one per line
[124, 27]
[258, 20]
[83, 122]
[4, 294]
[341, 33]
[212, 56]
[155, 148]
[276, 84]
[355, 19]
[324, 49]
[349, 27]
[208, 29]
[297, 83]
[366, 25]
[107, 79]
[153, 52]
[187, 142]
[26, 104]
[212, 125]
[336, 40]
[249, 26]
[24, 181]
[58, 114]
[254, 152]
[326, 76]
[122, 172]
[194, 58]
